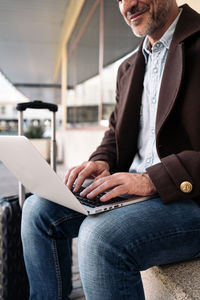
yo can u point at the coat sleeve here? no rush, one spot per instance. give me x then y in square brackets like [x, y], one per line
[174, 171]
[107, 151]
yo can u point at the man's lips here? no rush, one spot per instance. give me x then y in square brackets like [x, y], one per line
[135, 15]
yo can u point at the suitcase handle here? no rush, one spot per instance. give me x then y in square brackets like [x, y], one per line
[37, 105]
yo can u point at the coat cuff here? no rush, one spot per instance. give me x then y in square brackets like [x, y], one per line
[167, 177]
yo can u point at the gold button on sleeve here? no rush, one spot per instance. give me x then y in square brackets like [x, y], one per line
[186, 187]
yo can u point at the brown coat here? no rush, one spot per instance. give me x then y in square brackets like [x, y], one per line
[178, 115]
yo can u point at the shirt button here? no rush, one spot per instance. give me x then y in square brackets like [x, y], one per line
[155, 70]
[153, 131]
[148, 160]
[159, 45]
[153, 100]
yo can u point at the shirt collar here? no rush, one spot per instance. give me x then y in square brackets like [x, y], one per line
[165, 39]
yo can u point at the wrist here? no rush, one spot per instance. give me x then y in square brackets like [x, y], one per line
[151, 185]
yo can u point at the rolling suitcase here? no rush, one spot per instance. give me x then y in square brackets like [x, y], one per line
[13, 277]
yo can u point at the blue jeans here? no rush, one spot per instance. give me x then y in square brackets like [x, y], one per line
[113, 247]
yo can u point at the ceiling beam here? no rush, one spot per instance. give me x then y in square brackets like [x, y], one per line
[71, 16]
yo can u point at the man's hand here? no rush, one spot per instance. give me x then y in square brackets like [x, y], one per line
[121, 183]
[88, 169]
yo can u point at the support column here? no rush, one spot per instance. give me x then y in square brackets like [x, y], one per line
[75, 81]
[101, 59]
[64, 69]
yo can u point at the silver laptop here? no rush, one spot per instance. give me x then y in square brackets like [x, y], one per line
[30, 168]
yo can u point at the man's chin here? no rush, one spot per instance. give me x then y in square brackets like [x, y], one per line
[139, 28]
[139, 33]
[142, 31]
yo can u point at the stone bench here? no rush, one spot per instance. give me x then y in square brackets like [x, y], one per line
[173, 282]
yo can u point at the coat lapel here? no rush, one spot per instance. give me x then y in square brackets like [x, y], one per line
[131, 87]
[188, 24]
[170, 84]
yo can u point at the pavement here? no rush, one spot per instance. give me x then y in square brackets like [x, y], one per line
[9, 187]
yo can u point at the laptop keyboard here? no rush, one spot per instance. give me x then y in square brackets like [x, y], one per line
[94, 202]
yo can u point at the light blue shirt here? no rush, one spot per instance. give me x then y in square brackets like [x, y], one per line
[155, 59]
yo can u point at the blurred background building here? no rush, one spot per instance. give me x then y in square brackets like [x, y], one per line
[65, 52]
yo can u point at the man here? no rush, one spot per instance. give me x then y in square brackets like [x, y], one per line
[151, 148]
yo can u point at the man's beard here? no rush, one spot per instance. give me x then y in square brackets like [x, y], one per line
[156, 20]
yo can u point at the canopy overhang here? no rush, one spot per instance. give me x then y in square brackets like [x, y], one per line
[30, 36]
[34, 34]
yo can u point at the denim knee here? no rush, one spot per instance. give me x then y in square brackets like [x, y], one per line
[33, 213]
[95, 239]
[30, 207]
[41, 216]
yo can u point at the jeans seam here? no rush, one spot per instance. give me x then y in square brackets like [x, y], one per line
[163, 235]
[123, 283]
[57, 268]
[135, 247]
